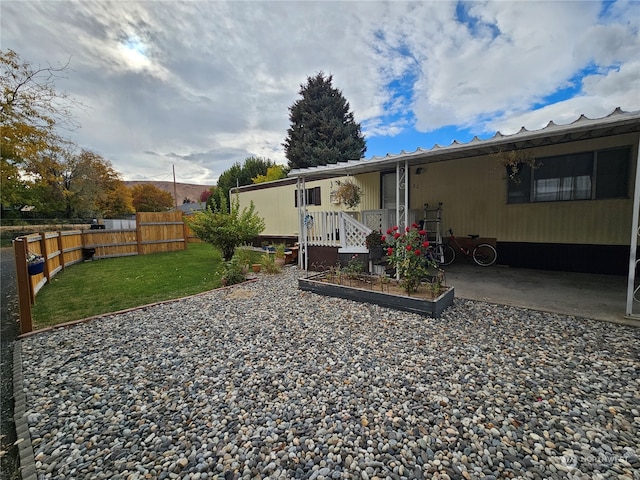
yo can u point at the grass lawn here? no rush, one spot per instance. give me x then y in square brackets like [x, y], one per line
[109, 285]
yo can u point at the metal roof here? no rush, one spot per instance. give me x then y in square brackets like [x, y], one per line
[616, 123]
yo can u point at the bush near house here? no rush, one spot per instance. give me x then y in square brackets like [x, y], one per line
[226, 230]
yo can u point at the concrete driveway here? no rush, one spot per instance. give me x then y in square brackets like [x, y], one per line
[600, 297]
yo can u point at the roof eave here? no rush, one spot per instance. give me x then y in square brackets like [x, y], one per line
[616, 123]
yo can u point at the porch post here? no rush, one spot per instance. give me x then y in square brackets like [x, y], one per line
[406, 193]
[634, 239]
[300, 224]
[402, 199]
[402, 194]
[302, 202]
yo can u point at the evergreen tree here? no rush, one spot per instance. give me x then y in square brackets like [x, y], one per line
[237, 176]
[323, 130]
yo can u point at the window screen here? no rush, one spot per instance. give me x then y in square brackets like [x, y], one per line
[613, 173]
[579, 176]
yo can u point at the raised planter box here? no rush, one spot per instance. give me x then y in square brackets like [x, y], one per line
[430, 307]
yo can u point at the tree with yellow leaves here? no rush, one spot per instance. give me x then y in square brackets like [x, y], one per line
[30, 112]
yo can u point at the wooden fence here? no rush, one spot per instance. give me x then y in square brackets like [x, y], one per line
[154, 233]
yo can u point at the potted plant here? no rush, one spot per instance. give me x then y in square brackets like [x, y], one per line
[280, 255]
[374, 244]
[347, 193]
[35, 263]
[513, 161]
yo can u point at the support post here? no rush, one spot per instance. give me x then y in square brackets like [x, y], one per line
[20, 250]
[631, 279]
[138, 234]
[45, 255]
[61, 249]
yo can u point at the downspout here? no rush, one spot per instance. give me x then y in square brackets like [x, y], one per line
[302, 200]
[406, 194]
[634, 238]
[300, 225]
[398, 193]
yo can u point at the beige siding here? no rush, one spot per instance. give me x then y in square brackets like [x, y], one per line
[474, 193]
[276, 204]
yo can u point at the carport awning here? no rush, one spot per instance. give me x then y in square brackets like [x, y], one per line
[616, 123]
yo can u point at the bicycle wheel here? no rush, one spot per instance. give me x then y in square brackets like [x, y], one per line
[448, 254]
[484, 255]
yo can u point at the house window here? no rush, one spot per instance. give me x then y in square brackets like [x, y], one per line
[580, 176]
[312, 196]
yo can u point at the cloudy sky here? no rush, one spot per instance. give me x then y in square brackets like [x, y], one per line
[203, 84]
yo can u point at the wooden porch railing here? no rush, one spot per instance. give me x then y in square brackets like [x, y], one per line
[335, 229]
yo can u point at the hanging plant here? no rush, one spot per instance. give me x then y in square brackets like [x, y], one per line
[513, 161]
[347, 193]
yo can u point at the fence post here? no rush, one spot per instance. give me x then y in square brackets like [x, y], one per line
[60, 249]
[185, 231]
[20, 251]
[138, 233]
[45, 254]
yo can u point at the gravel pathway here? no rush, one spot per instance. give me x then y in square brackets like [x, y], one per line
[264, 381]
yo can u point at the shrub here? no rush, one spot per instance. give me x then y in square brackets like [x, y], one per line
[269, 264]
[226, 230]
[231, 272]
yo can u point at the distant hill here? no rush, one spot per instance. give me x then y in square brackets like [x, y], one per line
[184, 190]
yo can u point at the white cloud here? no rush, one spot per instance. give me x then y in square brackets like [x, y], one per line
[212, 81]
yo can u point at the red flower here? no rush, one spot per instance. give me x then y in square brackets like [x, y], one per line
[407, 229]
[383, 238]
[414, 225]
[422, 232]
[417, 252]
[389, 231]
[425, 244]
[389, 251]
[409, 247]
[395, 228]
[396, 235]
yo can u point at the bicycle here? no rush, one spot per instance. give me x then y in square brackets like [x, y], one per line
[483, 254]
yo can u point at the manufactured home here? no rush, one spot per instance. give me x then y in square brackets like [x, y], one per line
[563, 197]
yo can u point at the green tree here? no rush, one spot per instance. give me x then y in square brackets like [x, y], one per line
[226, 230]
[237, 176]
[31, 111]
[276, 172]
[323, 130]
[149, 198]
[77, 185]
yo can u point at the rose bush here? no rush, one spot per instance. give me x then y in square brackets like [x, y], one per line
[406, 251]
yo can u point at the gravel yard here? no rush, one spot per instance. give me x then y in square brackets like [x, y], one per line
[261, 380]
